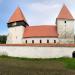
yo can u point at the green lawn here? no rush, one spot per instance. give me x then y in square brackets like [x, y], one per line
[25, 66]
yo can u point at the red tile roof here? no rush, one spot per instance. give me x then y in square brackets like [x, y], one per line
[40, 31]
[17, 16]
[65, 14]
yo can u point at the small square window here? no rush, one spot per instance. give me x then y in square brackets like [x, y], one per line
[32, 41]
[65, 21]
[16, 37]
[26, 41]
[40, 41]
[47, 41]
[54, 41]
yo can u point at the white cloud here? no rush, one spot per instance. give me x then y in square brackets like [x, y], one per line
[73, 13]
[41, 7]
[43, 13]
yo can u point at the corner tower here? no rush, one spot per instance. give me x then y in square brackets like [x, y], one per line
[16, 26]
[65, 26]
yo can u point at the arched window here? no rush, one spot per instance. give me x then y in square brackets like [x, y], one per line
[73, 54]
[47, 41]
[54, 41]
[40, 41]
[32, 41]
[64, 21]
[26, 41]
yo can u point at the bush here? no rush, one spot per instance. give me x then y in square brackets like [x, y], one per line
[3, 39]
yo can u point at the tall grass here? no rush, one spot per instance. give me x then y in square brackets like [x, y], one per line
[69, 63]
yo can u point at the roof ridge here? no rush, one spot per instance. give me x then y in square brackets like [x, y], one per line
[41, 25]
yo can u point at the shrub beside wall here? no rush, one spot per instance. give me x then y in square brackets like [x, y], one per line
[3, 39]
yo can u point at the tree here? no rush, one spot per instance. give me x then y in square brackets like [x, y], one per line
[3, 39]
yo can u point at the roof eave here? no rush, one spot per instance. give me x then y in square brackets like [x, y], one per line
[65, 18]
[42, 37]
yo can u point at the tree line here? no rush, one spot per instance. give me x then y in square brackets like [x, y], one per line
[3, 39]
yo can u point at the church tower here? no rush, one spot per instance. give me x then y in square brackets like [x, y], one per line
[16, 26]
[65, 26]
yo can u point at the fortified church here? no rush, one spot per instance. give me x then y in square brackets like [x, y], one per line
[20, 32]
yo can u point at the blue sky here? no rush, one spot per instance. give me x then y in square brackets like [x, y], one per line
[37, 12]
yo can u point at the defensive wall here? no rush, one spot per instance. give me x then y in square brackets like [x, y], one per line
[38, 50]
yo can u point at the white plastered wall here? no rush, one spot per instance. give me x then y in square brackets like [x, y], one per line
[37, 52]
[15, 35]
[66, 30]
[37, 40]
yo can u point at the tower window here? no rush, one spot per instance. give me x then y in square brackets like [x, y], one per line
[32, 41]
[16, 37]
[40, 41]
[26, 41]
[54, 41]
[65, 21]
[47, 41]
[14, 23]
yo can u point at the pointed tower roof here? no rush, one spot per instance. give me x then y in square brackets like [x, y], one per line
[17, 16]
[65, 13]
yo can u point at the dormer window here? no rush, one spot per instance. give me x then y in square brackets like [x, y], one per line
[14, 23]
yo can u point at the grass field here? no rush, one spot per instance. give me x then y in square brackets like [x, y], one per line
[24, 66]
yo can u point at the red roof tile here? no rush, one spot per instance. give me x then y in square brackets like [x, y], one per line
[65, 14]
[40, 31]
[17, 16]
